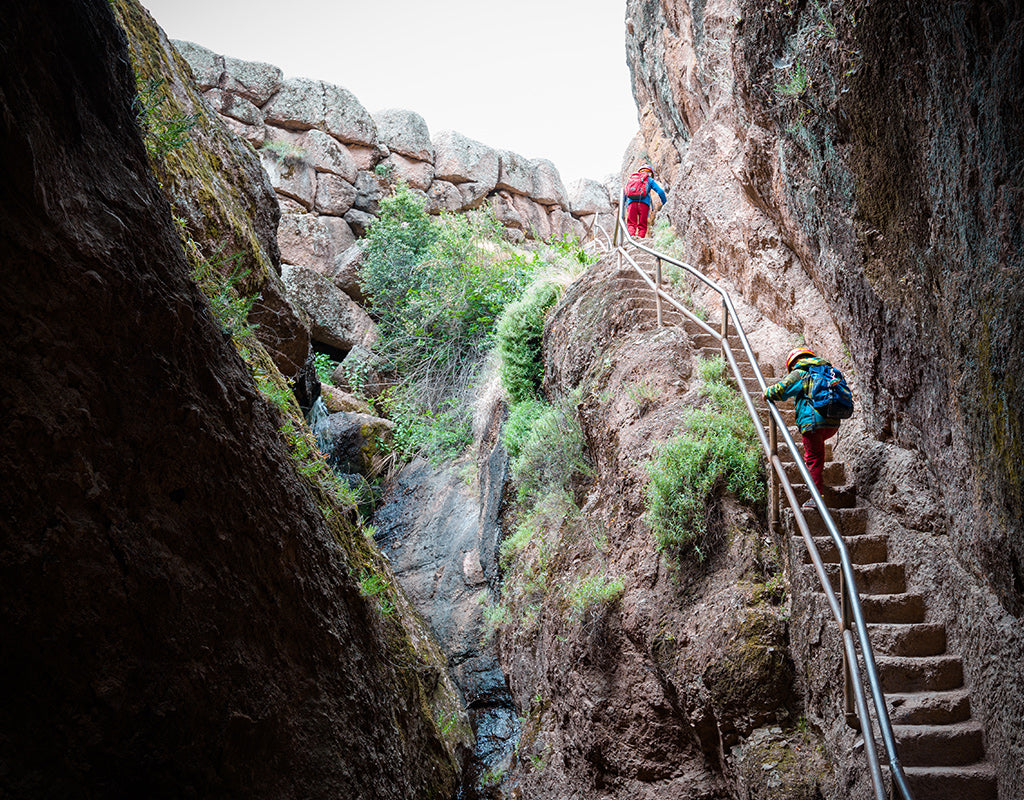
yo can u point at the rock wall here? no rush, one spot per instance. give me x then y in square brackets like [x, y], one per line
[853, 168]
[180, 618]
[330, 161]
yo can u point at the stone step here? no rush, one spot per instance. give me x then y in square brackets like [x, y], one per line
[850, 521]
[835, 496]
[866, 549]
[784, 449]
[970, 782]
[834, 473]
[929, 708]
[872, 578]
[939, 745]
[900, 608]
[908, 640]
[930, 674]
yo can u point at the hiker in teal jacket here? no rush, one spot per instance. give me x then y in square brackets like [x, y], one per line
[637, 211]
[814, 428]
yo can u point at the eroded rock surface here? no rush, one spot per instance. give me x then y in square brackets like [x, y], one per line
[179, 619]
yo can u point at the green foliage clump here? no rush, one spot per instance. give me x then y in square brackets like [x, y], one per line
[324, 366]
[519, 336]
[549, 456]
[598, 590]
[716, 450]
[163, 130]
[437, 287]
[374, 586]
[521, 419]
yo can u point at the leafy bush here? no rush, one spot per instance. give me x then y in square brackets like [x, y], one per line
[593, 591]
[324, 366]
[550, 456]
[163, 129]
[717, 450]
[521, 419]
[519, 338]
[437, 287]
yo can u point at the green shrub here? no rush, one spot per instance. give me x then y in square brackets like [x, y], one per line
[521, 419]
[593, 591]
[324, 366]
[550, 456]
[717, 450]
[163, 129]
[520, 334]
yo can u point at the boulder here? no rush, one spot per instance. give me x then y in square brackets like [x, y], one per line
[301, 104]
[404, 132]
[358, 443]
[337, 400]
[346, 273]
[255, 135]
[459, 159]
[334, 195]
[289, 174]
[326, 154]
[473, 194]
[253, 80]
[231, 105]
[548, 188]
[370, 188]
[506, 212]
[358, 221]
[207, 66]
[443, 196]
[415, 174]
[366, 158]
[313, 241]
[358, 373]
[337, 320]
[588, 196]
[535, 217]
[516, 173]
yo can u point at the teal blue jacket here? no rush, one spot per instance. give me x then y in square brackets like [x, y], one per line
[795, 385]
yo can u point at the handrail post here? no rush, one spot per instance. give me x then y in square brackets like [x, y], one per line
[725, 323]
[773, 440]
[849, 709]
[657, 291]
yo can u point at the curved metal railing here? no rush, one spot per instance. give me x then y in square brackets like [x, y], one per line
[846, 608]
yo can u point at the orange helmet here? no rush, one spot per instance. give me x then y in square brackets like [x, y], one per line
[794, 354]
[648, 168]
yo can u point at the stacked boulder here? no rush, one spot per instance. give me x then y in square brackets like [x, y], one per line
[330, 162]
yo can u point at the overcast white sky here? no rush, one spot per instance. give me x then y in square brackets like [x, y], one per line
[544, 78]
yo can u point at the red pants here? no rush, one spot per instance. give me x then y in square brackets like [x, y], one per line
[814, 453]
[636, 219]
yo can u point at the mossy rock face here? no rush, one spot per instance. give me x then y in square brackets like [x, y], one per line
[773, 764]
[217, 187]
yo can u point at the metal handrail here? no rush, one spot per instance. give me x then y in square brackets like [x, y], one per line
[847, 609]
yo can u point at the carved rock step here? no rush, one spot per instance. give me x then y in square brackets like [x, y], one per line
[867, 549]
[929, 708]
[974, 782]
[872, 578]
[835, 496]
[908, 640]
[834, 473]
[930, 674]
[939, 745]
[850, 521]
[899, 608]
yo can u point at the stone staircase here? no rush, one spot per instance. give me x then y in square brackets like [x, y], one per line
[941, 748]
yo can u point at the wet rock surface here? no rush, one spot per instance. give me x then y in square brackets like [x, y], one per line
[439, 527]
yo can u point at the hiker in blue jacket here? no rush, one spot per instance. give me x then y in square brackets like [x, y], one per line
[637, 198]
[814, 428]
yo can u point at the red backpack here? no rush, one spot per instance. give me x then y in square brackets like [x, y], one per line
[636, 186]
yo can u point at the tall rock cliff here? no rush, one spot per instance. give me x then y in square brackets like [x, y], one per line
[854, 169]
[181, 610]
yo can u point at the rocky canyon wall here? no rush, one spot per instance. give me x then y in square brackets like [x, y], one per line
[854, 169]
[181, 610]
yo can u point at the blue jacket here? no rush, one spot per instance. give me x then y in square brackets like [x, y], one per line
[652, 184]
[794, 385]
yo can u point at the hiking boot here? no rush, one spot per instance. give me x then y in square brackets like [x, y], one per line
[809, 505]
